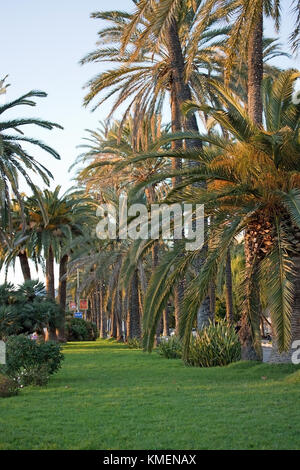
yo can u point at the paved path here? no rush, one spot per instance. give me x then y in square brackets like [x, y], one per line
[267, 348]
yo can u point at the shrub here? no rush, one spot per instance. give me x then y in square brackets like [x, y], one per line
[215, 345]
[134, 343]
[170, 348]
[8, 386]
[33, 375]
[26, 309]
[78, 329]
[26, 359]
[49, 354]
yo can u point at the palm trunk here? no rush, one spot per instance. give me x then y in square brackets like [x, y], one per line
[177, 63]
[255, 70]
[142, 277]
[50, 289]
[50, 274]
[62, 294]
[183, 93]
[93, 309]
[24, 265]
[228, 289]
[113, 325]
[176, 165]
[166, 331]
[95, 303]
[133, 316]
[103, 322]
[119, 315]
[249, 332]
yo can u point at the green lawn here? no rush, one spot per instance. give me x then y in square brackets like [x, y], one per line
[109, 397]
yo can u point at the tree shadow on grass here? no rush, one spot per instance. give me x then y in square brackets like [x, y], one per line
[95, 345]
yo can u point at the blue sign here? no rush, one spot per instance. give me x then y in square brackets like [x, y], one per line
[78, 315]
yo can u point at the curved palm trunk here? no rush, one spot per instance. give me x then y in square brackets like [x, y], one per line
[62, 294]
[50, 289]
[166, 331]
[24, 265]
[133, 316]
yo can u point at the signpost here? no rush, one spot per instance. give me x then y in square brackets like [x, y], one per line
[72, 305]
[83, 304]
[78, 315]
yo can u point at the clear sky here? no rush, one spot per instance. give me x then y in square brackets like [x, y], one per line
[41, 45]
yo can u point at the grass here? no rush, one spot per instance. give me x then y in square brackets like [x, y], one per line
[110, 397]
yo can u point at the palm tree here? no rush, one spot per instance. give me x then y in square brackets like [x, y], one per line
[152, 73]
[66, 216]
[253, 187]
[15, 161]
[112, 148]
[148, 75]
[165, 22]
[246, 34]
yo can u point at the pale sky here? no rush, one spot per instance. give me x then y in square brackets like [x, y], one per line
[41, 45]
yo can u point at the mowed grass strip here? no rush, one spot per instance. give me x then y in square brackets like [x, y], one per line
[107, 396]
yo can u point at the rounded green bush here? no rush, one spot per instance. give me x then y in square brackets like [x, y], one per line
[78, 329]
[30, 362]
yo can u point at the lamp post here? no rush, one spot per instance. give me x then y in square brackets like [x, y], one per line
[77, 290]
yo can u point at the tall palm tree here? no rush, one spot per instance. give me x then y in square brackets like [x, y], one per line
[165, 21]
[16, 248]
[154, 70]
[246, 38]
[15, 161]
[253, 186]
